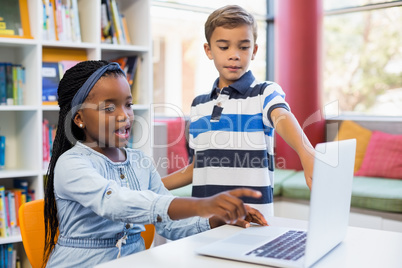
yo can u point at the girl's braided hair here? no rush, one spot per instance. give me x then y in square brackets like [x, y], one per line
[66, 135]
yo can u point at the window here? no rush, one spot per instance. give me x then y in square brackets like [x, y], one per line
[181, 69]
[363, 56]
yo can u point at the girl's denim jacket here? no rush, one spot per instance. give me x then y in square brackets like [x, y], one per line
[100, 201]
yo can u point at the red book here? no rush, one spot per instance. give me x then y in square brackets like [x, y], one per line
[45, 143]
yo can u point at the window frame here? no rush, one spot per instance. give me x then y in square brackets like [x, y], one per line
[357, 9]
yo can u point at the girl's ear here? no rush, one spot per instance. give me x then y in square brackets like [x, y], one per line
[78, 120]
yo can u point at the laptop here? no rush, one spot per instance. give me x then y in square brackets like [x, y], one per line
[328, 218]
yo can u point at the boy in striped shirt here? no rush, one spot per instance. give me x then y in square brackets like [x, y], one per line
[232, 127]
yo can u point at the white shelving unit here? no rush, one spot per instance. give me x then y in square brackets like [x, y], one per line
[22, 125]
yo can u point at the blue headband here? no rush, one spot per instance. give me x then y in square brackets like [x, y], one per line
[83, 92]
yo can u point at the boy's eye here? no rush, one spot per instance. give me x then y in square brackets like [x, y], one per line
[244, 48]
[223, 48]
[129, 105]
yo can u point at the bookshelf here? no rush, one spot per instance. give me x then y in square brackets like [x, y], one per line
[22, 124]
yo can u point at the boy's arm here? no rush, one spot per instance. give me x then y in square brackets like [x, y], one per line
[289, 129]
[179, 178]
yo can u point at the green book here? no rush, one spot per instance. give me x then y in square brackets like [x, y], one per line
[9, 84]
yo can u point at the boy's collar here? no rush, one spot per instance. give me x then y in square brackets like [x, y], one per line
[241, 85]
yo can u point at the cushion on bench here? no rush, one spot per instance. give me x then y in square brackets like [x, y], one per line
[280, 176]
[370, 193]
[377, 193]
[295, 186]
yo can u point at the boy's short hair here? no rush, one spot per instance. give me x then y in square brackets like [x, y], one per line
[230, 16]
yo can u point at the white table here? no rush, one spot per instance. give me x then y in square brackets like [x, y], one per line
[361, 248]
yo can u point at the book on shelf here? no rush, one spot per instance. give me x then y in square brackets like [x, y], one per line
[11, 210]
[116, 22]
[75, 22]
[125, 29]
[2, 152]
[113, 24]
[3, 223]
[10, 19]
[18, 73]
[20, 84]
[46, 143]
[3, 84]
[61, 21]
[52, 73]
[23, 185]
[108, 31]
[135, 88]
[3, 214]
[8, 256]
[49, 133]
[64, 65]
[9, 83]
[10, 202]
[14, 19]
[50, 82]
[130, 66]
[58, 11]
[18, 203]
[12, 83]
[49, 26]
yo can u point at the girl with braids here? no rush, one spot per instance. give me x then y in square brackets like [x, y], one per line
[100, 194]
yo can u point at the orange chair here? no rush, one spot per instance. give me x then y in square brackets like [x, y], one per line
[32, 227]
[148, 235]
[31, 218]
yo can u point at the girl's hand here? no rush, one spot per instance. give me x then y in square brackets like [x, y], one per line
[226, 206]
[253, 215]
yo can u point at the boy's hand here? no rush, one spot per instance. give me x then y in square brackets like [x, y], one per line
[226, 206]
[307, 160]
[253, 215]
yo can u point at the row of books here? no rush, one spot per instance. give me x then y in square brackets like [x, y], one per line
[10, 202]
[52, 72]
[9, 257]
[61, 21]
[113, 24]
[48, 132]
[12, 81]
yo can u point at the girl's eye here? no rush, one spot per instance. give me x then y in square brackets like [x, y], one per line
[129, 105]
[110, 108]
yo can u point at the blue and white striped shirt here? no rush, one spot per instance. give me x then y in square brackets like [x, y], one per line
[232, 137]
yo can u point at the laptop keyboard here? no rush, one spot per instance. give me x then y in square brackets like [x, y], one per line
[289, 246]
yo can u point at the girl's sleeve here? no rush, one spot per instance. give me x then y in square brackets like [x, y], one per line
[180, 228]
[76, 179]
